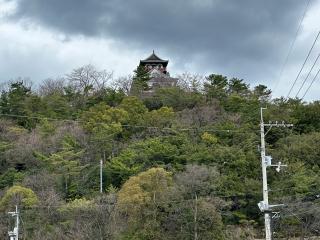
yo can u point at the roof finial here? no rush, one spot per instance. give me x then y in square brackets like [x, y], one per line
[153, 51]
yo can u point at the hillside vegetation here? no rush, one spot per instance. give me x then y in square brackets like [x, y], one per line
[181, 164]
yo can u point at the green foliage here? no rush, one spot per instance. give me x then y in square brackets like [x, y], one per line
[262, 93]
[140, 80]
[141, 156]
[19, 101]
[18, 195]
[77, 204]
[171, 154]
[300, 148]
[102, 119]
[209, 138]
[57, 106]
[109, 96]
[135, 109]
[174, 97]
[10, 177]
[161, 118]
[308, 116]
[104, 123]
[4, 146]
[47, 128]
[238, 87]
[66, 164]
[138, 199]
[142, 190]
[215, 87]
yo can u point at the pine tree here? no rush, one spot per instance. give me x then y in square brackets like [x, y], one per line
[140, 79]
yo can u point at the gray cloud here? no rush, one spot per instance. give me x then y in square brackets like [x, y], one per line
[246, 38]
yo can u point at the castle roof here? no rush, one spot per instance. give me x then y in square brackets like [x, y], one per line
[154, 59]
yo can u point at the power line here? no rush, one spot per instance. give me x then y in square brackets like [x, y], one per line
[301, 213]
[313, 80]
[304, 63]
[292, 45]
[302, 85]
[284, 189]
[124, 125]
[93, 204]
[299, 218]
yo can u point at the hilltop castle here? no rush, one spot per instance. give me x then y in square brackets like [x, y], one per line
[159, 75]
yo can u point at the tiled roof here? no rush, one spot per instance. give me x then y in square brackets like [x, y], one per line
[153, 58]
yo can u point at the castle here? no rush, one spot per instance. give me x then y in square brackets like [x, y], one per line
[159, 75]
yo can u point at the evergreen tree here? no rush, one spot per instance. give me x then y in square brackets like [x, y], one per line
[14, 103]
[140, 79]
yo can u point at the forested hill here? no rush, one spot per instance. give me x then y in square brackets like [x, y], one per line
[183, 163]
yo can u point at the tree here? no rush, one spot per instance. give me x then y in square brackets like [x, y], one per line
[238, 86]
[160, 118]
[195, 187]
[139, 199]
[14, 103]
[190, 82]
[51, 86]
[124, 84]
[135, 108]
[209, 138]
[102, 119]
[174, 97]
[215, 87]
[307, 116]
[104, 124]
[18, 195]
[140, 80]
[66, 163]
[262, 93]
[87, 79]
[10, 177]
[140, 156]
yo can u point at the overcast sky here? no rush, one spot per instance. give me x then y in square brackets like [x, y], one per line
[248, 39]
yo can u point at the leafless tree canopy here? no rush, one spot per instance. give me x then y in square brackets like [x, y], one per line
[88, 79]
[52, 86]
[190, 82]
[124, 84]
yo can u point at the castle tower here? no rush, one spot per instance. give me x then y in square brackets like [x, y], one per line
[159, 75]
[154, 62]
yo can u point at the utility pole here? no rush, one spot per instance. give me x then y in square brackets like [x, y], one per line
[266, 161]
[14, 235]
[101, 166]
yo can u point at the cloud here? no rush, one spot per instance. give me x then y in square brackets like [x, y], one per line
[247, 39]
[37, 53]
[224, 32]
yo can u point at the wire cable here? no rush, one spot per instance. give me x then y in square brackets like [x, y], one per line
[301, 213]
[304, 63]
[302, 85]
[291, 46]
[124, 125]
[313, 80]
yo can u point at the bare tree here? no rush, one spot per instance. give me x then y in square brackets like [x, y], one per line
[197, 209]
[124, 84]
[52, 86]
[200, 115]
[190, 82]
[88, 79]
